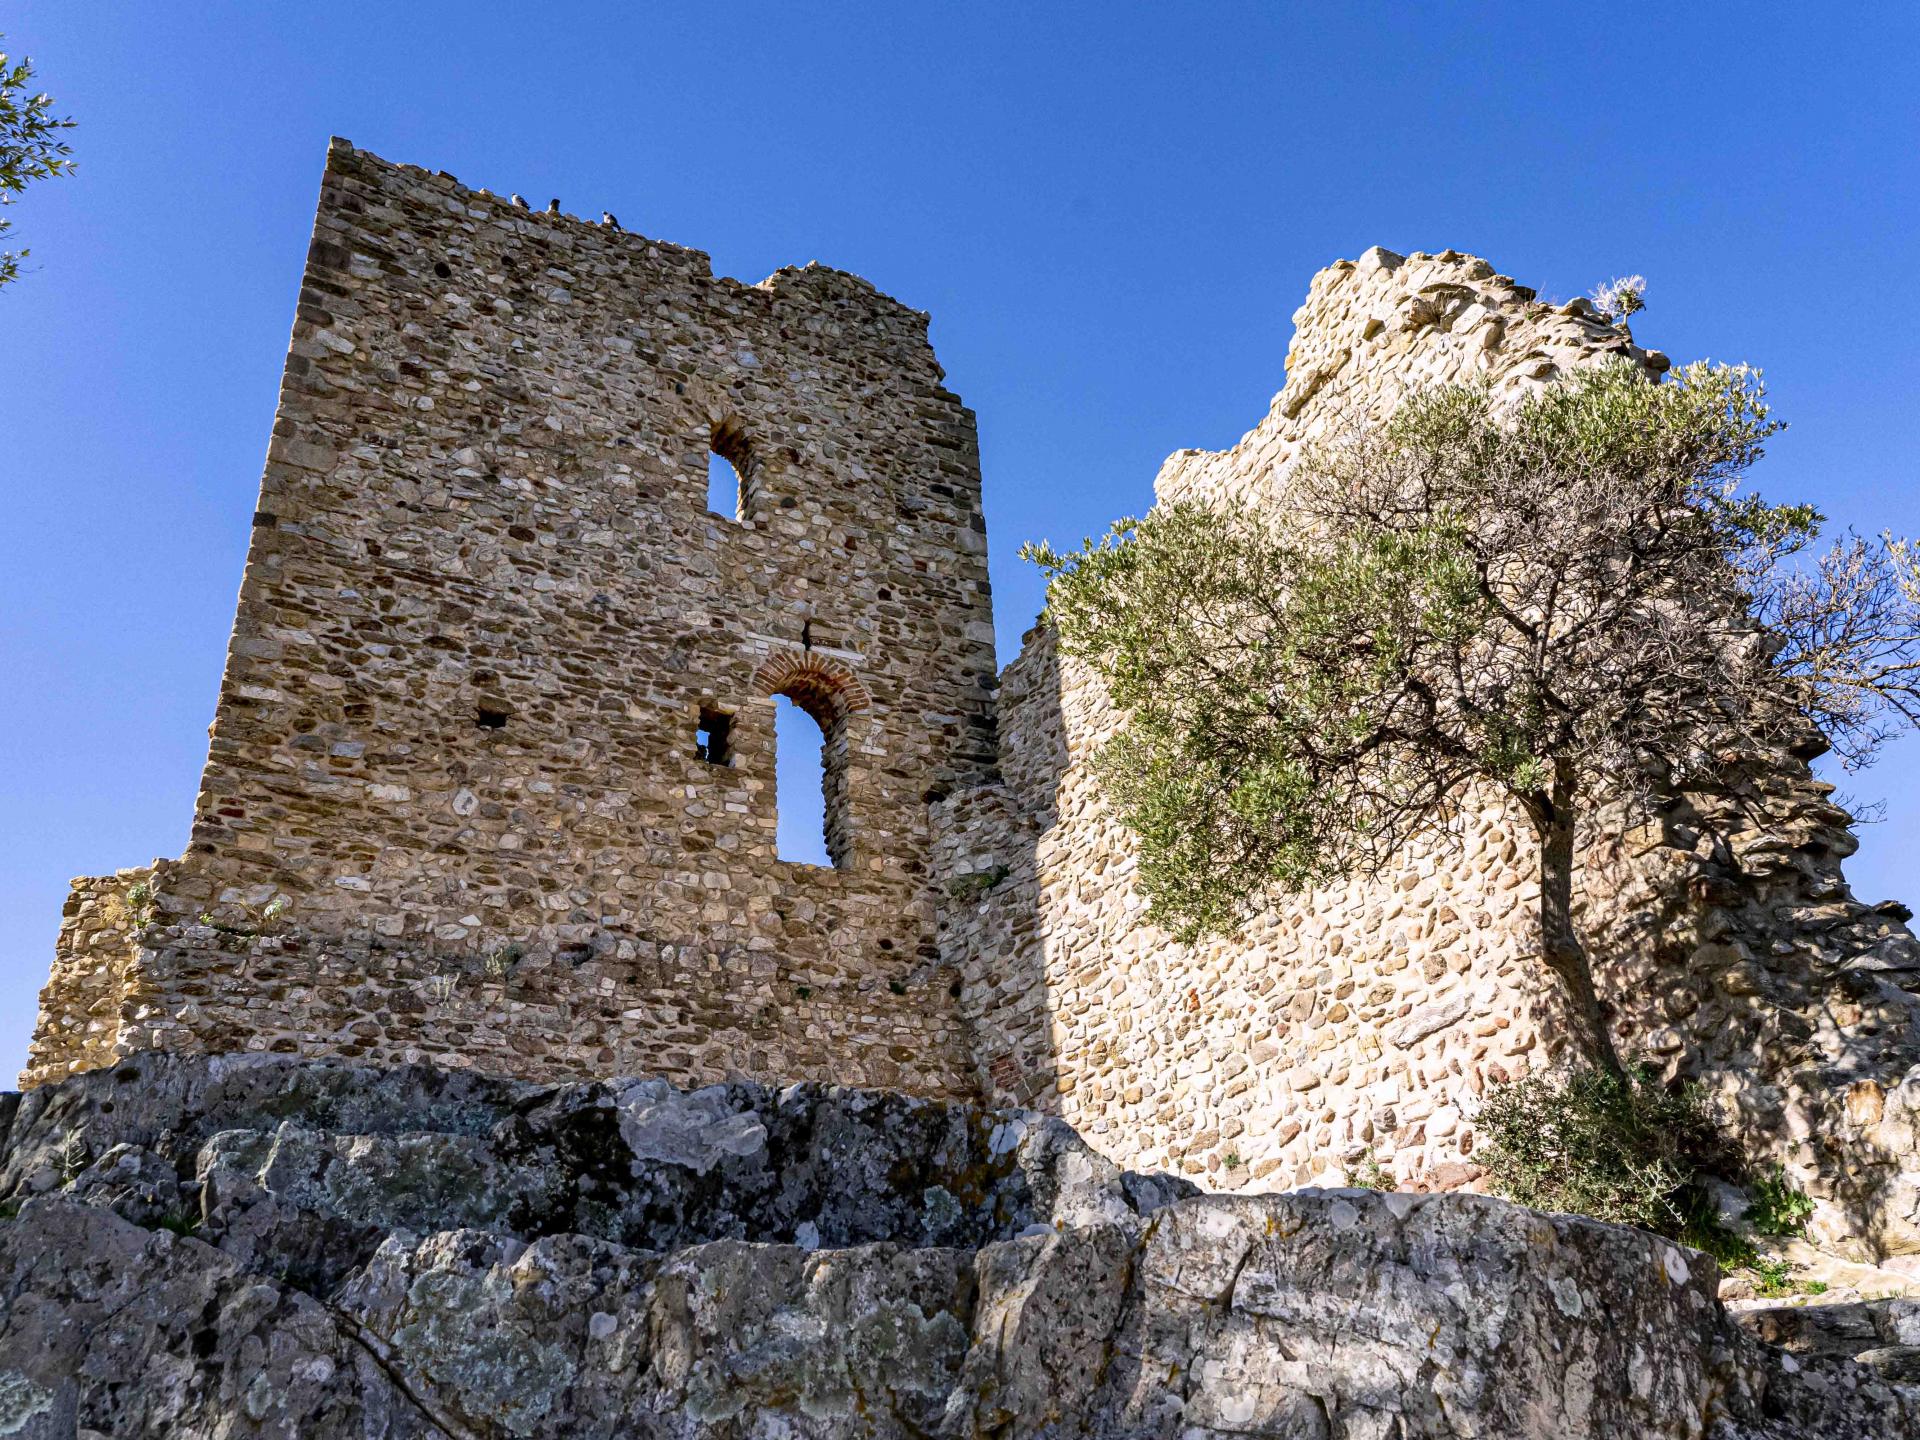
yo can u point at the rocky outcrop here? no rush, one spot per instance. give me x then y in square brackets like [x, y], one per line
[1882, 1333]
[250, 1247]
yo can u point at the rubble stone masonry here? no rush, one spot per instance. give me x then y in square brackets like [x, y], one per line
[453, 805]
[1357, 1026]
[491, 775]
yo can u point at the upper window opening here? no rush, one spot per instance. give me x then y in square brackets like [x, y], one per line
[730, 472]
[713, 741]
[723, 486]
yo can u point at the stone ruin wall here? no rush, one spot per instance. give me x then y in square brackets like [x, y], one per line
[1359, 1024]
[81, 1003]
[453, 807]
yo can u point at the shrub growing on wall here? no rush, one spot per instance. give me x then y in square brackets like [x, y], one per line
[1621, 1147]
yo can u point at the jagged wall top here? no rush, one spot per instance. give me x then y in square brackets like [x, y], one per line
[1360, 1022]
[1376, 329]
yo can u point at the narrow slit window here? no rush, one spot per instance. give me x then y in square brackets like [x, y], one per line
[713, 741]
[730, 471]
[723, 486]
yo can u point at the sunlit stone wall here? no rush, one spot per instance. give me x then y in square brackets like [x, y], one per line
[453, 805]
[1355, 1027]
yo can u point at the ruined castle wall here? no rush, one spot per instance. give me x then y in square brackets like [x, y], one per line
[93, 957]
[454, 807]
[1358, 1024]
[485, 612]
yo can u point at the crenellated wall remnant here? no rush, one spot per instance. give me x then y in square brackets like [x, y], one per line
[93, 968]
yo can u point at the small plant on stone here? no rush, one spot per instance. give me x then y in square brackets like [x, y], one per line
[1771, 1211]
[1368, 1174]
[1621, 297]
[1778, 1206]
[71, 1156]
[1232, 1160]
[498, 964]
[139, 904]
[1623, 1148]
[261, 920]
[1705, 1228]
[979, 882]
[1775, 1278]
[181, 1222]
[1771, 1277]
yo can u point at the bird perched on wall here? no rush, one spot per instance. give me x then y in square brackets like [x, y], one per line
[606, 218]
[521, 201]
[553, 207]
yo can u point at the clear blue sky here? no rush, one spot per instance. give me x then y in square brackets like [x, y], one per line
[1111, 211]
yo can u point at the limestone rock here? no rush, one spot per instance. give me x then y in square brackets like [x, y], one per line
[197, 1248]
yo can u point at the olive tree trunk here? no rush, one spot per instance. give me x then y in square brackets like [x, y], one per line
[1553, 814]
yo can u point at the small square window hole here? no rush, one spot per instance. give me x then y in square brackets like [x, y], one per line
[713, 742]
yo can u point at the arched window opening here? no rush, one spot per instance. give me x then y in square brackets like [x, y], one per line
[800, 784]
[818, 708]
[810, 782]
[729, 472]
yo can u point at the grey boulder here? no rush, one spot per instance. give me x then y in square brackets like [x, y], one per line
[223, 1247]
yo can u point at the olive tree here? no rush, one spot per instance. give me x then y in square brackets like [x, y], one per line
[30, 146]
[1570, 598]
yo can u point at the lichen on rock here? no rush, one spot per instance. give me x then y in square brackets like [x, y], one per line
[482, 1259]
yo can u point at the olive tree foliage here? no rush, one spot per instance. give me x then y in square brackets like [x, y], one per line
[30, 146]
[1570, 599]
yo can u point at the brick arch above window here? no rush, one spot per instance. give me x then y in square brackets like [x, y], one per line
[826, 688]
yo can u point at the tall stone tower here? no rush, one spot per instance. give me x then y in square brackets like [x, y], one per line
[492, 771]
